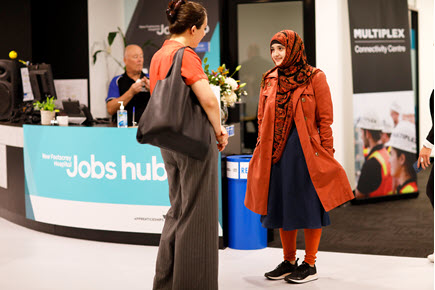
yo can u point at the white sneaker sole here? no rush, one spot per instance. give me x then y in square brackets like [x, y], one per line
[277, 278]
[308, 279]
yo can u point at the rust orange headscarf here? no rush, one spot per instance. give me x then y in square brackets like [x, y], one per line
[293, 72]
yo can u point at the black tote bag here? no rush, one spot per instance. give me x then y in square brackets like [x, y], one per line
[174, 119]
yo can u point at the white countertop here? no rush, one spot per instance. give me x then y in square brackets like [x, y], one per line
[11, 136]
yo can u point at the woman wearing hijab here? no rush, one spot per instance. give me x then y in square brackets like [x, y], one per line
[293, 178]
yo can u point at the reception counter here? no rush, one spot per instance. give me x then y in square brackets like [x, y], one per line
[86, 182]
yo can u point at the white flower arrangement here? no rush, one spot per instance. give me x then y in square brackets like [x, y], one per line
[229, 98]
[230, 89]
[232, 83]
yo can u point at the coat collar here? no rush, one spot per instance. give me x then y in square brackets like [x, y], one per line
[305, 88]
[273, 74]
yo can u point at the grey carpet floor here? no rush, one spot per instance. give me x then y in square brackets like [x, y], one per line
[402, 227]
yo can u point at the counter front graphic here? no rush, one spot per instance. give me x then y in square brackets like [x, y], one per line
[96, 178]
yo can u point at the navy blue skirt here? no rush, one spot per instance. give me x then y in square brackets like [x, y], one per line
[293, 202]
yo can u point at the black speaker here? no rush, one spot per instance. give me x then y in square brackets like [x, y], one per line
[11, 89]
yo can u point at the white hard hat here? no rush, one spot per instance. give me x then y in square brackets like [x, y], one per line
[369, 120]
[396, 107]
[408, 110]
[403, 137]
[387, 125]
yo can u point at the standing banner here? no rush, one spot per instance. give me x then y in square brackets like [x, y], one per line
[150, 26]
[384, 105]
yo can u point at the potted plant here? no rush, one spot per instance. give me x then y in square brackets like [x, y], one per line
[108, 48]
[47, 109]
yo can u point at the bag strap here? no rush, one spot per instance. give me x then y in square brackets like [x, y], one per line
[176, 62]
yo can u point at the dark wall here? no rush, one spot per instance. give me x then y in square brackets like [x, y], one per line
[229, 37]
[60, 37]
[15, 29]
[54, 32]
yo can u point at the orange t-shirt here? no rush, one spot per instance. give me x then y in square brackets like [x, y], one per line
[191, 66]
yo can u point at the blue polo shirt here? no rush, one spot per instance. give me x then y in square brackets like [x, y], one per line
[121, 84]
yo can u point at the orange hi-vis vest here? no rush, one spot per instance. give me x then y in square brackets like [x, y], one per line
[365, 152]
[408, 188]
[386, 186]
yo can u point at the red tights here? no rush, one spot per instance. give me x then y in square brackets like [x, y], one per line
[312, 240]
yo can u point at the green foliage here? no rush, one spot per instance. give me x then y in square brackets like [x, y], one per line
[148, 42]
[110, 39]
[95, 55]
[123, 36]
[47, 105]
[227, 84]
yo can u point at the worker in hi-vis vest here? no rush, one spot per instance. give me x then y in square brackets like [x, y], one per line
[375, 178]
[403, 155]
[395, 112]
[387, 129]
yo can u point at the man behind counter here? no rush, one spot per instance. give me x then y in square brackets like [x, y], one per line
[132, 87]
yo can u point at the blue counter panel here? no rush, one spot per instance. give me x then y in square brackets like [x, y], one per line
[94, 177]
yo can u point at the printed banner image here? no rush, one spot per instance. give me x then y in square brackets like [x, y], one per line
[149, 27]
[95, 178]
[385, 144]
[380, 45]
[384, 105]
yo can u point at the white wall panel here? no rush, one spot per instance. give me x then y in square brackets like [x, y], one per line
[104, 16]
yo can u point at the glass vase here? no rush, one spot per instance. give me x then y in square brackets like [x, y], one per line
[224, 115]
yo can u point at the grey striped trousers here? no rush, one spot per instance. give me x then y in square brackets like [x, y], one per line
[188, 250]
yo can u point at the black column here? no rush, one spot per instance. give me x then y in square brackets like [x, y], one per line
[60, 37]
[15, 29]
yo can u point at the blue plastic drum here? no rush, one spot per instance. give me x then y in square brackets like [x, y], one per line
[244, 227]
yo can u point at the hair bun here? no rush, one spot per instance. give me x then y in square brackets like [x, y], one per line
[173, 8]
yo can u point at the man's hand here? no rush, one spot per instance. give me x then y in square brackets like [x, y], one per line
[222, 139]
[146, 83]
[136, 88]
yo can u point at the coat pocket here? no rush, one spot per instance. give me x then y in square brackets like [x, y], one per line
[316, 138]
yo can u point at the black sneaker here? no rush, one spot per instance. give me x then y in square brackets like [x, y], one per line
[282, 270]
[304, 273]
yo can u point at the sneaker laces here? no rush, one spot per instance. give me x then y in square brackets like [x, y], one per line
[284, 262]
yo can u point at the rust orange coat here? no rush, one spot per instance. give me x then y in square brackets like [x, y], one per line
[313, 116]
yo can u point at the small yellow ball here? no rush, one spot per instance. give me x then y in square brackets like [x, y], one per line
[13, 54]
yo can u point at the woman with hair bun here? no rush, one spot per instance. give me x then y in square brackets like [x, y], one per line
[188, 250]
